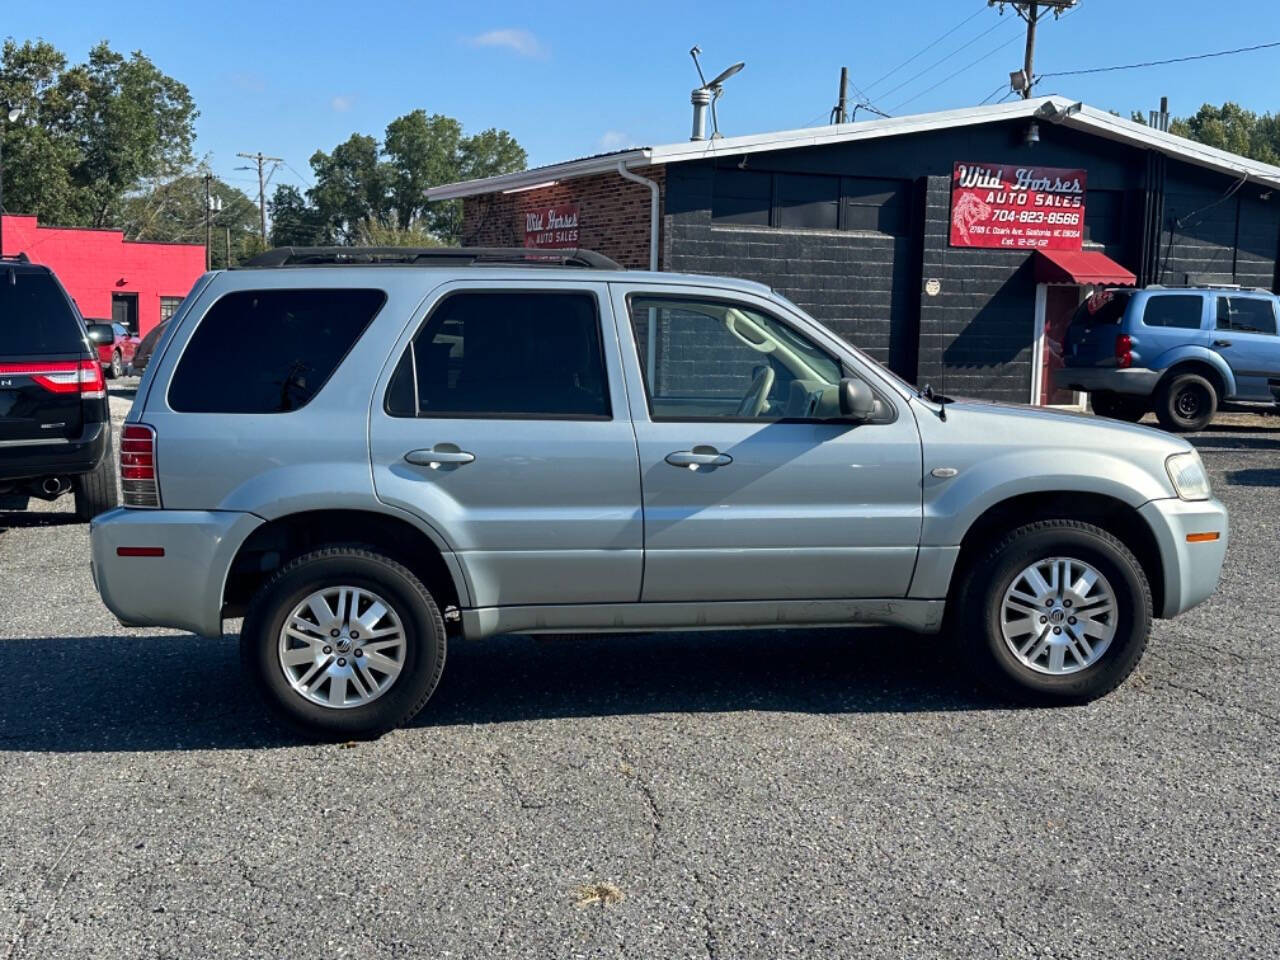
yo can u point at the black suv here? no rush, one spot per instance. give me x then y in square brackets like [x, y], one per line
[55, 428]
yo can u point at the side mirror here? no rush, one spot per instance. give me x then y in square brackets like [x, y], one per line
[101, 333]
[857, 402]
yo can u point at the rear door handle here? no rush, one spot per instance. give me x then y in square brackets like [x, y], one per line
[700, 456]
[442, 454]
[1222, 343]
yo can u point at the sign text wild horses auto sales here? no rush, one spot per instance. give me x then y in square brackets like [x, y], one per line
[1017, 208]
[552, 227]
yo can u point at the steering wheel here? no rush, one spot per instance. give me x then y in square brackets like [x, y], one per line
[757, 397]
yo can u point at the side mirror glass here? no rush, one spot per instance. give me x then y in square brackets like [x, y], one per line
[857, 401]
[101, 333]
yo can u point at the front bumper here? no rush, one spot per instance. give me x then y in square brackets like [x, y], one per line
[1138, 381]
[183, 588]
[1191, 570]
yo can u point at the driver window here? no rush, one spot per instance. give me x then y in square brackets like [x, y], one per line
[713, 359]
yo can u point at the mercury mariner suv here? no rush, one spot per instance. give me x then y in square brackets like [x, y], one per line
[451, 444]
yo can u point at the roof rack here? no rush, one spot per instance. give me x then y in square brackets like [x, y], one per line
[19, 256]
[431, 257]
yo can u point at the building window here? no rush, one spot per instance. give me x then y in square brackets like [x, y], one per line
[168, 307]
[801, 201]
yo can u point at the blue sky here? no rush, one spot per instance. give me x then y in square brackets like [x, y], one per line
[572, 79]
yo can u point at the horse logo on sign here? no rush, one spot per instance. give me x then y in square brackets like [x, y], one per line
[966, 212]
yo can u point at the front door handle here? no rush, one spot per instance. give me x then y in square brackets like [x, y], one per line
[439, 456]
[1222, 343]
[699, 456]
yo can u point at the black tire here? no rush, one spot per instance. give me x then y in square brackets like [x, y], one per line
[1119, 406]
[1186, 402]
[96, 491]
[404, 594]
[116, 370]
[981, 598]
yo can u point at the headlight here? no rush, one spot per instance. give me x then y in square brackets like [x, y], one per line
[1188, 475]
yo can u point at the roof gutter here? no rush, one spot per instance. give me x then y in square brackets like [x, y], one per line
[536, 176]
[653, 210]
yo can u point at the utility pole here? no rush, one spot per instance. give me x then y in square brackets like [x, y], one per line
[208, 213]
[1029, 10]
[841, 111]
[260, 160]
[228, 248]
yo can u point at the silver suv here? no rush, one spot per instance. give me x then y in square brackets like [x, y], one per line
[366, 452]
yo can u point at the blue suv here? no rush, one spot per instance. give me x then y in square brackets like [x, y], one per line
[1181, 352]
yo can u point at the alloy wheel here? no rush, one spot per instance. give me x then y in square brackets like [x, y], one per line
[342, 647]
[1058, 616]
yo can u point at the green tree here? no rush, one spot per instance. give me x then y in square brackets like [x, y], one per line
[90, 134]
[366, 188]
[173, 211]
[294, 222]
[1231, 127]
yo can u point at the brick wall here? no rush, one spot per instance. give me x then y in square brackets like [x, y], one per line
[613, 215]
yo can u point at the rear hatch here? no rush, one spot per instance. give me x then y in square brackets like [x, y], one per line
[1091, 338]
[41, 349]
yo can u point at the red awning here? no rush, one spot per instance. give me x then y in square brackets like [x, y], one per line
[1082, 267]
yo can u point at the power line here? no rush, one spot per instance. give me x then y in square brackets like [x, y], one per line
[952, 76]
[1158, 63]
[996, 26]
[926, 49]
[259, 158]
[988, 97]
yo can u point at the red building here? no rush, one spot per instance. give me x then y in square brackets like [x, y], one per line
[137, 283]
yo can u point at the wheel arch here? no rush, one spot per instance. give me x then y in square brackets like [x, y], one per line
[274, 543]
[1218, 374]
[1109, 513]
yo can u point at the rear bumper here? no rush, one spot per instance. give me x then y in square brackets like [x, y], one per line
[1191, 570]
[183, 588]
[1134, 380]
[22, 461]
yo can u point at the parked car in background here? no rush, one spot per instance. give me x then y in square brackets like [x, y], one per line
[55, 429]
[147, 346]
[116, 346]
[485, 442]
[1182, 352]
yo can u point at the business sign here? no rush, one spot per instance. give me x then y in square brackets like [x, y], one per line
[553, 227]
[1009, 207]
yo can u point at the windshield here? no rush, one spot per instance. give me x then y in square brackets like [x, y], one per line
[35, 317]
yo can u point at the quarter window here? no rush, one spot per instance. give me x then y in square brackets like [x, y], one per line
[269, 351]
[1173, 310]
[505, 355]
[1246, 315]
[708, 359]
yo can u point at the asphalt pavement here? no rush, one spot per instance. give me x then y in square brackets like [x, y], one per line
[824, 793]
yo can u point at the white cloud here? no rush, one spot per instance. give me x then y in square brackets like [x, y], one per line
[615, 140]
[343, 103]
[520, 41]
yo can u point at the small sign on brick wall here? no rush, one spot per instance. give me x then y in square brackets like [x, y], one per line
[1017, 208]
[552, 227]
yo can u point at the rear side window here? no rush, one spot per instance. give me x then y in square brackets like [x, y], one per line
[505, 355]
[269, 351]
[35, 317]
[1173, 310]
[1246, 315]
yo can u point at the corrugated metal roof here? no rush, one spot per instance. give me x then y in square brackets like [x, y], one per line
[1055, 109]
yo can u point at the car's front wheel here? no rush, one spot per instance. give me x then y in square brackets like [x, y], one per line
[1057, 612]
[344, 643]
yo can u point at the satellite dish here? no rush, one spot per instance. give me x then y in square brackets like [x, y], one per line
[726, 74]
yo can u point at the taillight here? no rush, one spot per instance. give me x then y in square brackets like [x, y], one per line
[63, 376]
[138, 466]
[1124, 351]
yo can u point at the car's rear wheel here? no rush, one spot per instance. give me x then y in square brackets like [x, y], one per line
[1057, 612]
[1119, 406]
[96, 491]
[117, 366]
[1186, 402]
[344, 643]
